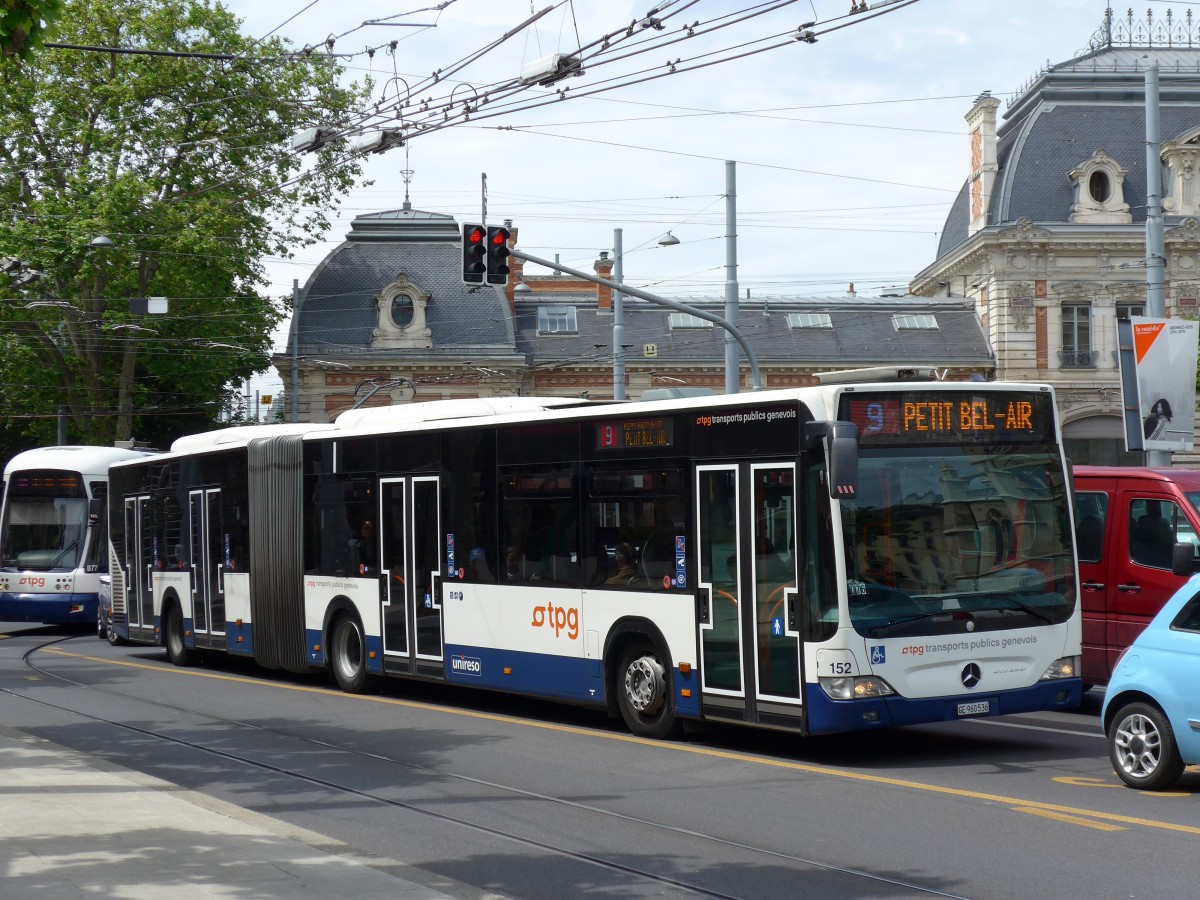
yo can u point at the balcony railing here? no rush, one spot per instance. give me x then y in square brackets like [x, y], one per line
[1077, 359]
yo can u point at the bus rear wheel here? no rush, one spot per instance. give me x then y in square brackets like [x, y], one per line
[348, 655]
[177, 648]
[643, 694]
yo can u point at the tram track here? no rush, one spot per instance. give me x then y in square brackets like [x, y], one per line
[370, 796]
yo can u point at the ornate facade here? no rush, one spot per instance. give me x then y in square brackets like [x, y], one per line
[1048, 234]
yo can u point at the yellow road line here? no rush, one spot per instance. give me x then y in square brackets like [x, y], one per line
[1072, 820]
[807, 768]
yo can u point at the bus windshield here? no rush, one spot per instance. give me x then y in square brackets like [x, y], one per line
[45, 523]
[950, 537]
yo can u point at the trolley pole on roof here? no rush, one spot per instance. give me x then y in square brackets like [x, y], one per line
[732, 329]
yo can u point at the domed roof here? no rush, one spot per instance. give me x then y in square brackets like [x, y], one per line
[339, 311]
[1094, 102]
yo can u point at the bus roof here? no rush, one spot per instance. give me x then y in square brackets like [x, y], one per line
[87, 460]
[240, 435]
[435, 410]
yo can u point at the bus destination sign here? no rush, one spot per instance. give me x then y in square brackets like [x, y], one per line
[629, 434]
[48, 483]
[912, 417]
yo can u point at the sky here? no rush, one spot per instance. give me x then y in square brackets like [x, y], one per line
[848, 151]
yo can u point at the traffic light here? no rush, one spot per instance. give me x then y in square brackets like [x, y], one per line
[497, 255]
[473, 252]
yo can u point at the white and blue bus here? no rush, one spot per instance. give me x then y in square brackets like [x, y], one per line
[824, 559]
[53, 533]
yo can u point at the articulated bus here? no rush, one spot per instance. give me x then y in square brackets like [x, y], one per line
[823, 559]
[53, 533]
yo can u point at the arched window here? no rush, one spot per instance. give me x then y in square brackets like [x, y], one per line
[402, 310]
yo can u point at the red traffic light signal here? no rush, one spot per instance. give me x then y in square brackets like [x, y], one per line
[497, 255]
[473, 252]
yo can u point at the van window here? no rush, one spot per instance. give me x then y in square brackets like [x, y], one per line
[1154, 527]
[1091, 509]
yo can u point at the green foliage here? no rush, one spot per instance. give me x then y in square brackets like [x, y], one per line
[25, 25]
[182, 162]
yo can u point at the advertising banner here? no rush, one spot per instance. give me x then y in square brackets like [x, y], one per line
[1165, 368]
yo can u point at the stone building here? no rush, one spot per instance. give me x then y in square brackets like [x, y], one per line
[385, 318]
[1047, 236]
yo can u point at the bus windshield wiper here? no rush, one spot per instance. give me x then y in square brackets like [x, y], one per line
[74, 545]
[1017, 603]
[899, 624]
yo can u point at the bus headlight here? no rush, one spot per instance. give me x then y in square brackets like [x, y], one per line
[1066, 667]
[859, 688]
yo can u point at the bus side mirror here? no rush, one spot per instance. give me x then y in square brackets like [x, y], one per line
[95, 512]
[1183, 559]
[841, 450]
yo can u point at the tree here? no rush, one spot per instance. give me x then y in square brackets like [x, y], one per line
[24, 25]
[181, 161]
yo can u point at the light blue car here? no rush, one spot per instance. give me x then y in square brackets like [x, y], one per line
[1151, 709]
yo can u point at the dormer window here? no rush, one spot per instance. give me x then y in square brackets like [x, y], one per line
[557, 320]
[1099, 192]
[809, 320]
[400, 323]
[687, 320]
[914, 322]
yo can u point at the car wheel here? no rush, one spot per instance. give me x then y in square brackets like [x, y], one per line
[113, 638]
[348, 655]
[177, 649]
[101, 625]
[643, 694]
[1142, 747]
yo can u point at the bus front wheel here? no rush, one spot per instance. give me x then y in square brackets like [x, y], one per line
[643, 694]
[177, 648]
[348, 655]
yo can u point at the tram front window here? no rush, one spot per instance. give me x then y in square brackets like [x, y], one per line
[42, 533]
[950, 534]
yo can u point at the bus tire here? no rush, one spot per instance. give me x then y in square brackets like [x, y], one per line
[173, 638]
[643, 693]
[348, 654]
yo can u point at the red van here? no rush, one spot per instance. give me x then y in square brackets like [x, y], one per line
[1128, 522]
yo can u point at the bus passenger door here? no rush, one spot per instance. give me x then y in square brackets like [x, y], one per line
[777, 643]
[750, 645]
[720, 590]
[139, 563]
[410, 555]
[209, 564]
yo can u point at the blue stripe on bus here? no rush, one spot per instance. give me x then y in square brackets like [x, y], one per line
[245, 631]
[537, 674]
[48, 608]
[826, 716]
[543, 675]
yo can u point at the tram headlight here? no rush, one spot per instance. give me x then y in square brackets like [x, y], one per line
[856, 688]
[1064, 667]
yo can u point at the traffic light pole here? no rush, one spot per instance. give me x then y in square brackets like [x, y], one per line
[755, 378]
